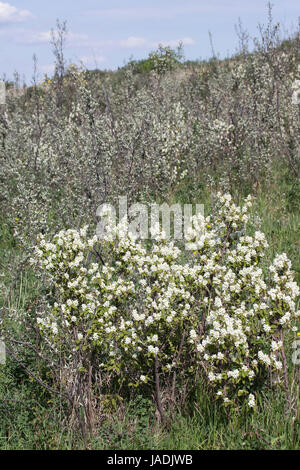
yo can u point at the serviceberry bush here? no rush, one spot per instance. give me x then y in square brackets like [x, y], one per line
[157, 324]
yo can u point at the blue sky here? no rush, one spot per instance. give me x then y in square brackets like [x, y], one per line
[107, 33]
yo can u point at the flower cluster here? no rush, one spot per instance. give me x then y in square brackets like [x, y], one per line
[296, 90]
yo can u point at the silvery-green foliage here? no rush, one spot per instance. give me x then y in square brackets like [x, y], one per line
[231, 120]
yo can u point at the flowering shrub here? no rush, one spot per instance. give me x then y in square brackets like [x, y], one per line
[165, 59]
[153, 321]
[99, 136]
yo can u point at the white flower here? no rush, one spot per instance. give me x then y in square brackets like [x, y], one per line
[251, 400]
[234, 373]
[211, 377]
[152, 349]
[193, 334]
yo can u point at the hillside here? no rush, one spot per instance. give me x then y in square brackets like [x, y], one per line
[161, 343]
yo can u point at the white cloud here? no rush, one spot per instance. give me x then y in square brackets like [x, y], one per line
[11, 14]
[133, 42]
[48, 68]
[92, 59]
[175, 42]
[190, 7]
[35, 37]
[187, 41]
[30, 37]
[141, 12]
[41, 37]
[125, 13]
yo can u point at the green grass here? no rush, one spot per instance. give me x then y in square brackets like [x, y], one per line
[208, 427]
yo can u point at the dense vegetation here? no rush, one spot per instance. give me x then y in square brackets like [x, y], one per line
[123, 344]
